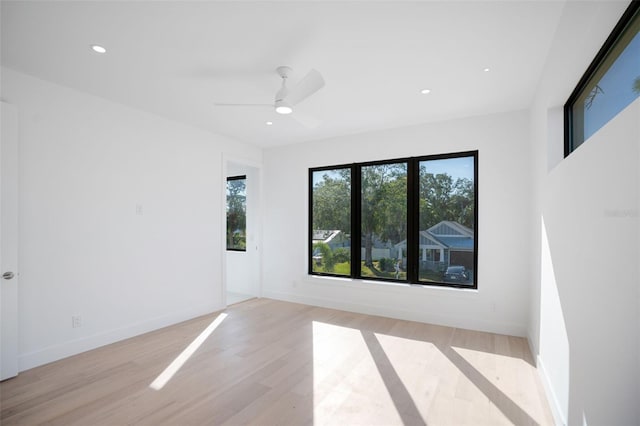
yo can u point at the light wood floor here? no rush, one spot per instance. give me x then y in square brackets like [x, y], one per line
[277, 363]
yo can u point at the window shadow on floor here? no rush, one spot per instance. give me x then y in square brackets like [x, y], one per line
[501, 400]
[400, 396]
[442, 339]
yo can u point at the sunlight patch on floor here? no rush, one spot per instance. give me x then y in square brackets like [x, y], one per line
[184, 356]
[498, 379]
[365, 377]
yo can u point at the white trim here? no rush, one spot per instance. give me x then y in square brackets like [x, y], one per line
[74, 347]
[223, 229]
[226, 159]
[558, 417]
[498, 327]
[387, 286]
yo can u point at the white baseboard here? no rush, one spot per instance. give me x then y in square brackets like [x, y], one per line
[73, 347]
[390, 312]
[558, 417]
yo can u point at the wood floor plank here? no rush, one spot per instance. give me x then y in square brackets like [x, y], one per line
[278, 363]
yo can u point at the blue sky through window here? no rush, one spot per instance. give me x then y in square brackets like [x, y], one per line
[617, 89]
[319, 175]
[459, 167]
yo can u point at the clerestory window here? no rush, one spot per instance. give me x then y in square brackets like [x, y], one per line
[609, 85]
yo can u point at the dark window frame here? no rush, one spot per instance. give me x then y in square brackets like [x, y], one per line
[413, 219]
[355, 192]
[351, 167]
[230, 179]
[600, 58]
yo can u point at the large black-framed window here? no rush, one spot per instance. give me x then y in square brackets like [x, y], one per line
[237, 213]
[610, 84]
[408, 220]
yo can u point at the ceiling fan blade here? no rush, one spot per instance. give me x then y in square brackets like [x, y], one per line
[310, 84]
[307, 121]
[241, 105]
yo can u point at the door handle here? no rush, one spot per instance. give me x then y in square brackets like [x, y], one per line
[7, 275]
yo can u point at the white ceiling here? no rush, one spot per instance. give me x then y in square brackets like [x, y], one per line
[177, 58]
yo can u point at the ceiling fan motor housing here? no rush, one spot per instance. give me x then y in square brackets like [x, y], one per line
[284, 71]
[282, 106]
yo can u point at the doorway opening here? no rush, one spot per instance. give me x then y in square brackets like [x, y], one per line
[242, 232]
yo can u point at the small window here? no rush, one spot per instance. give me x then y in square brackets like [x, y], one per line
[611, 82]
[237, 213]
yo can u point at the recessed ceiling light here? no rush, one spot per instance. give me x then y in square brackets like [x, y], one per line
[269, 123]
[487, 70]
[98, 49]
[425, 91]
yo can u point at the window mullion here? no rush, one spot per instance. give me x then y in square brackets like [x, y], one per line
[413, 220]
[356, 214]
[310, 231]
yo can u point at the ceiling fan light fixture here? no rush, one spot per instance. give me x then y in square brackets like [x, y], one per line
[283, 107]
[284, 110]
[98, 49]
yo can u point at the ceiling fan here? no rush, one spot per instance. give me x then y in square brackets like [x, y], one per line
[286, 98]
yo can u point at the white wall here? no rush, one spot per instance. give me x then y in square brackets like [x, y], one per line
[243, 272]
[501, 302]
[591, 217]
[585, 295]
[120, 214]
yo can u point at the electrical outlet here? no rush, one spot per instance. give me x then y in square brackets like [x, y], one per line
[76, 321]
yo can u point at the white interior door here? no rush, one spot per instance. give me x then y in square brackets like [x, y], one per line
[9, 241]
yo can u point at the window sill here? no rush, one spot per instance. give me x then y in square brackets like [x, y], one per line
[385, 286]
